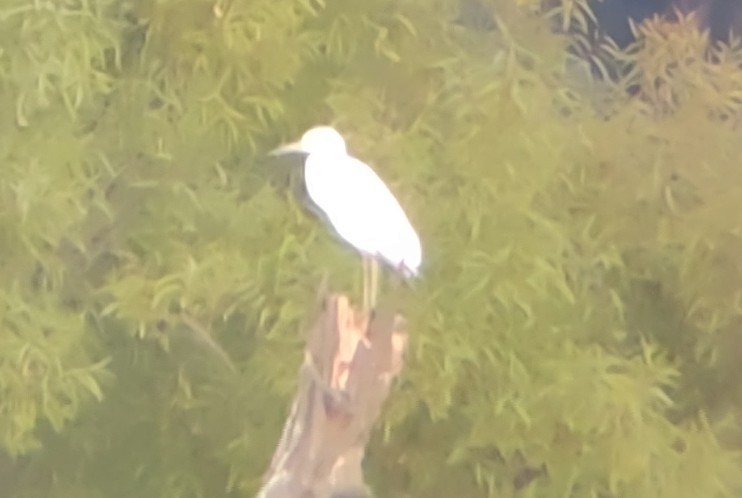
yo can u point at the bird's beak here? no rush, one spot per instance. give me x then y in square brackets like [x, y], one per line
[292, 148]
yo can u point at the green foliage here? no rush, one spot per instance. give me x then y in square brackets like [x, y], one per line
[577, 329]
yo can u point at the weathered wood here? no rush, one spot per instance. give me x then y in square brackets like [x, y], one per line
[348, 368]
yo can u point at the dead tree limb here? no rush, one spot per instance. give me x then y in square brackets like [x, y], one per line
[348, 368]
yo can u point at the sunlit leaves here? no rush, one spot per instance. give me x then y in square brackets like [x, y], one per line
[576, 322]
[586, 271]
[66, 50]
[46, 190]
[232, 57]
[572, 14]
[670, 56]
[45, 375]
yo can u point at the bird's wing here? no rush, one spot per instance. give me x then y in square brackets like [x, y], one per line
[359, 206]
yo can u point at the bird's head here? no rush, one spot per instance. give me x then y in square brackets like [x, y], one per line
[318, 140]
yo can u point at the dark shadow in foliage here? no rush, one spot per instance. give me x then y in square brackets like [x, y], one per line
[720, 17]
[614, 16]
[475, 16]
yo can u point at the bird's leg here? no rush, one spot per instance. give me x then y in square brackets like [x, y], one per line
[374, 286]
[366, 282]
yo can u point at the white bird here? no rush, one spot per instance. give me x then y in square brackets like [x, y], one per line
[358, 205]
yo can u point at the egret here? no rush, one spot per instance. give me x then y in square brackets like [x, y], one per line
[348, 195]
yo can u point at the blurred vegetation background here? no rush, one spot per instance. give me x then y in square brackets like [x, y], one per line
[577, 332]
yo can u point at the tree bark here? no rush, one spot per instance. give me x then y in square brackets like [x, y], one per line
[348, 368]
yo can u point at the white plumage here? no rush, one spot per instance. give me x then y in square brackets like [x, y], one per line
[357, 203]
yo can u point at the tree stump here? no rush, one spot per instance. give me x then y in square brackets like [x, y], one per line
[349, 364]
